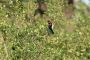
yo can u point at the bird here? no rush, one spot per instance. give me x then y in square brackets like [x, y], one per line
[50, 27]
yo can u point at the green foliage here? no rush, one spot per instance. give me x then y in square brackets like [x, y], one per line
[27, 40]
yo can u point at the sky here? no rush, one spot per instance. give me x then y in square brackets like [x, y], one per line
[86, 2]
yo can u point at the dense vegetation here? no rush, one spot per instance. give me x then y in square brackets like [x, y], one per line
[22, 39]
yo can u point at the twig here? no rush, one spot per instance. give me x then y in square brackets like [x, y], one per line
[4, 44]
